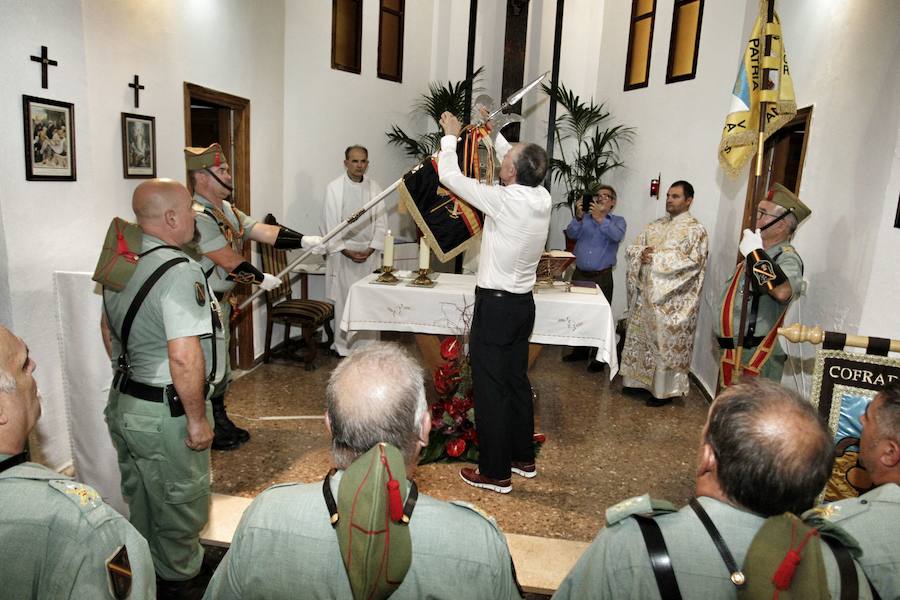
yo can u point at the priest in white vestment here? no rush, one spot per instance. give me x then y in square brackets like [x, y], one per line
[356, 251]
[666, 264]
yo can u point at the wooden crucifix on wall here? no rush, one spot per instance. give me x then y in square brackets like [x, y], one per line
[45, 62]
[137, 90]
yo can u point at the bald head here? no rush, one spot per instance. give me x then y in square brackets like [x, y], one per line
[773, 452]
[20, 405]
[375, 395]
[162, 208]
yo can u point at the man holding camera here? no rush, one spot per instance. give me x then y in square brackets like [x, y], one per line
[596, 244]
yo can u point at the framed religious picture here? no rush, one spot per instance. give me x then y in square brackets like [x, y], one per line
[844, 383]
[49, 139]
[138, 146]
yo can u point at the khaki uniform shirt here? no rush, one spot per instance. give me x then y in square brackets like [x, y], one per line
[178, 305]
[211, 238]
[616, 565]
[873, 520]
[285, 548]
[56, 536]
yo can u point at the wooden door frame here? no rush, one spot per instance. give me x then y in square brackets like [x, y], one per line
[240, 172]
[804, 115]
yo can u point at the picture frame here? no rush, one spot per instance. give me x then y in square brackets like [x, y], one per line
[843, 385]
[49, 128]
[138, 146]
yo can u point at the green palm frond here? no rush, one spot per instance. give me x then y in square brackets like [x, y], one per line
[593, 147]
[450, 97]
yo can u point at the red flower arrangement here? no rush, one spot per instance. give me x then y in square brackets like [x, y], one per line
[453, 435]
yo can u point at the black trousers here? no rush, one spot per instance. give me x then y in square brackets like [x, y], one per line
[504, 407]
[604, 279]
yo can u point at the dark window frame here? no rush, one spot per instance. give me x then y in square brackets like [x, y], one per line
[401, 15]
[357, 68]
[686, 76]
[634, 19]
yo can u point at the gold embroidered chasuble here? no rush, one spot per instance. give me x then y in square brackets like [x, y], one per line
[663, 301]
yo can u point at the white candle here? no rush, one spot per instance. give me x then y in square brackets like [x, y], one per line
[424, 254]
[388, 249]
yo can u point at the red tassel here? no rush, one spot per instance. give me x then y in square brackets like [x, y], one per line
[122, 249]
[218, 160]
[784, 575]
[395, 505]
[785, 572]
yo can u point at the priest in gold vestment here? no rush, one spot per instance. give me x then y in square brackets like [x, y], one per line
[666, 264]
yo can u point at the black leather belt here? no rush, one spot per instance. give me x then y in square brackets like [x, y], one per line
[480, 291]
[595, 273]
[750, 341]
[150, 393]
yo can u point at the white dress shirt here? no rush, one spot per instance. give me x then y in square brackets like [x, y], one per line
[516, 222]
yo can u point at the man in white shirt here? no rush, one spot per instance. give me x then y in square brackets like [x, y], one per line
[516, 222]
[352, 254]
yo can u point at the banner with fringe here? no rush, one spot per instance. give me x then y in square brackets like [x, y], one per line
[449, 224]
[740, 136]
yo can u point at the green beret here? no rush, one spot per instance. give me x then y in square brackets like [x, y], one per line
[203, 158]
[785, 198]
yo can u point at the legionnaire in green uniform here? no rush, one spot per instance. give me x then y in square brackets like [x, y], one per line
[873, 519]
[222, 230]
[286, 547]
[167, 351]
[764, 451]
[777, 280]
[57, 538]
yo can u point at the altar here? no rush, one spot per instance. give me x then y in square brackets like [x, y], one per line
[561, 318]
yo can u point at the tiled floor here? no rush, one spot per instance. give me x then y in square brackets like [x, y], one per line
[602, 446]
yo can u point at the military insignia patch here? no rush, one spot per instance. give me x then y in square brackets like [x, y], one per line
[200, 293]
[763, 272]
[243, 277]
[118, 573]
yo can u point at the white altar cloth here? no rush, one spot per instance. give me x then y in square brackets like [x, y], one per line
[561, 318]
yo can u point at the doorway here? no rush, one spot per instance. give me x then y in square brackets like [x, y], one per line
[785, 152]
[213, 116]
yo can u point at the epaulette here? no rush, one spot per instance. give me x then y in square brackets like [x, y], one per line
[476, 510]
[788, 248]
[820, 519]
[83, 496]
[637, 506]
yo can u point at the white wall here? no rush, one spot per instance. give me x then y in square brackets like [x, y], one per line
[842, 57]
[231, 46]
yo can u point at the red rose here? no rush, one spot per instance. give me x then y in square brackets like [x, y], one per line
[450, 348]
[455, 447]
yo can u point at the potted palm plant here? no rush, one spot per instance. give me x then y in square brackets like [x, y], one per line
[588, 147]
[440, 97]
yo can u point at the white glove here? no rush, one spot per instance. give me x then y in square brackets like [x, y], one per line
[750, 241]
[270, 282]
[310, 241]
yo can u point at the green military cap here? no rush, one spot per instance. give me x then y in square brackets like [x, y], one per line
[203, 158]
[372, 527]
[785, 198]
[784, 561]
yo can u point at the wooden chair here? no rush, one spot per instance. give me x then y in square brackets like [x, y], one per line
[281, 308]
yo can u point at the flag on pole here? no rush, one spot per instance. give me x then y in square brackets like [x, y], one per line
[741, 133]
[448, 223]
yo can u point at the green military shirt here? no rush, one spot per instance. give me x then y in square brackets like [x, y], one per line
[178, 305]
[616, 565]
[873, 520]
[769, 309]
[285, 548]
[57, 535]
[211, 238]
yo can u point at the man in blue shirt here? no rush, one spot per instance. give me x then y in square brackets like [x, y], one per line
[597, 243]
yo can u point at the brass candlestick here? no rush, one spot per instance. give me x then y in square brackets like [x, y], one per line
[387, 275]
[423, 280]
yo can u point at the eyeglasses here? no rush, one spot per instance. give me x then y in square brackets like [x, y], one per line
[761, 213]
[606, 195]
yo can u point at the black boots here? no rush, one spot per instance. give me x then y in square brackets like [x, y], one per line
[227, 435]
